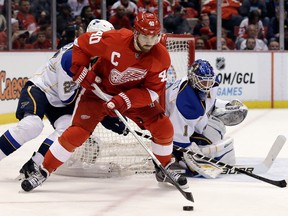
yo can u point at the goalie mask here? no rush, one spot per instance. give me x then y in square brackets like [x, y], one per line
[201, 76]
[99, 25]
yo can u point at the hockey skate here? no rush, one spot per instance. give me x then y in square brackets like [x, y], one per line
[28, 169]
[36, 179]
[161, 177]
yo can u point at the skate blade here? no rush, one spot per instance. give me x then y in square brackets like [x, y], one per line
[20, 177]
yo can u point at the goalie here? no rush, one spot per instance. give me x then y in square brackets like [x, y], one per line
[199, 120]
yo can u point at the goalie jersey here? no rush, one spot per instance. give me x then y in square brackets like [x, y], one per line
[187, 112]
[54, 78]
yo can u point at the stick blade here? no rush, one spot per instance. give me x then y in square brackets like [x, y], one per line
[283, 183]
[281, 139]
[189, 196]
[274, 151]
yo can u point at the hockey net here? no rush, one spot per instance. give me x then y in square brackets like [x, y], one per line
[106, 154]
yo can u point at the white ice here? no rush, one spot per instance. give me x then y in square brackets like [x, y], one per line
[236, 195]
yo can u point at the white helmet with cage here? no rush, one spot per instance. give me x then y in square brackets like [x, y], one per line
[99, 25]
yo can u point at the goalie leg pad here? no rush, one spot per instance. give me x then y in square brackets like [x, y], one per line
[204, 168]
[222, 151]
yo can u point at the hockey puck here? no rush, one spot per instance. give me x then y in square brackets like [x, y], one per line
[188, 208]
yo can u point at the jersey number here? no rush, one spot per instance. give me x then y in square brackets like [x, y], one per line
[185, 133]
[95, 37]
[163, 76]
[68, 86]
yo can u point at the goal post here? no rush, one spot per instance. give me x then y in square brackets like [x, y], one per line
[181, 48]
[106, 154]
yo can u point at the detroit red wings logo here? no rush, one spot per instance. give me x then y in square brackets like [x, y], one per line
[130, 74]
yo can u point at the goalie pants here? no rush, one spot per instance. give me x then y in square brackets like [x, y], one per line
[89, 111]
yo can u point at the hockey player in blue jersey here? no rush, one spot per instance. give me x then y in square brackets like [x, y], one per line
[49, 92]
[199, 119]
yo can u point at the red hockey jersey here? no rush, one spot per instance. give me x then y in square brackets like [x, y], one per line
[142, 76]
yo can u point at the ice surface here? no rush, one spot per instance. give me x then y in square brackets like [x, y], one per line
[234, 195]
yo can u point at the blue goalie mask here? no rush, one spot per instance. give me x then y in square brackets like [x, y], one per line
[201, 76]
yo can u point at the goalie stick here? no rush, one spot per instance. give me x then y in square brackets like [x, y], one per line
[263, 166]
[280, 141]
[259, 168]
[187, 195]
[278, 183]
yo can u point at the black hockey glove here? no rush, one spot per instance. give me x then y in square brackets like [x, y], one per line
[114, 124]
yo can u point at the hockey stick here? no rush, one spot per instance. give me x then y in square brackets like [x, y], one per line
[280, 140]
[278, 183]
[260, 168]
[187, 195]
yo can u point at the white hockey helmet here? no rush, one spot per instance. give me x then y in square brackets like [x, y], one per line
[99, 25]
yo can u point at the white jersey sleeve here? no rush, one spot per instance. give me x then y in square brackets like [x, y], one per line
[186, 111]
[55, 78]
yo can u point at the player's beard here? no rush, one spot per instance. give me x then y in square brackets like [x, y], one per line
[144, 48]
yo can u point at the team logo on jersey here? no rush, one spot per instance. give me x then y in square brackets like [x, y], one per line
[84, 117]
[24, 104]
[220, 63]
[130, 74]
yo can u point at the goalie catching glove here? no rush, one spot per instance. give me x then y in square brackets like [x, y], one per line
[83, 77]
[119, 102]
[233, 113]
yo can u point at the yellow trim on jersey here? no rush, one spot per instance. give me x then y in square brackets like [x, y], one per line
[9, 142]
[181, 89]
[32, 98]
[75, 96]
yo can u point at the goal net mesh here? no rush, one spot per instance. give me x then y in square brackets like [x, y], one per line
[106, 154]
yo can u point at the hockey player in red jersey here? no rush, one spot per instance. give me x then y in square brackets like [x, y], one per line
[49, 92]
[131, 71]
